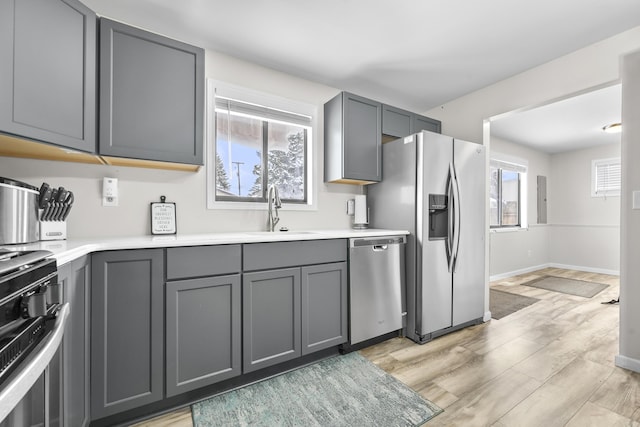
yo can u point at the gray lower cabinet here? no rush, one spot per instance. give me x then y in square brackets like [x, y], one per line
[75, 278]
[271, 317]
[353, 139]
[292, 310]
[203, 333]
[48, 69]
[324, 306]
[127, 330]
[151, 96]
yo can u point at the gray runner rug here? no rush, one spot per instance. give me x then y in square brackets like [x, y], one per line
[502, 303]
[568, 286]
[340, 391]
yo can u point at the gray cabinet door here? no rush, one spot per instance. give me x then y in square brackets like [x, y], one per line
[48, 84]
[396, 122]
[362, 138]
[203, 332]
[151, 96]
[421, 123]
[353, 138]
[324, 306]
[75, 278]
[127, 328]
[270, 318]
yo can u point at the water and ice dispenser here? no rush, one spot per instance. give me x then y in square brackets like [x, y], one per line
[438, 216]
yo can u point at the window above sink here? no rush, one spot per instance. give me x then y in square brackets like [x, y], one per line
[255, 140]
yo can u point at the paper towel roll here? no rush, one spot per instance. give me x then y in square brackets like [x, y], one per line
[360, 216]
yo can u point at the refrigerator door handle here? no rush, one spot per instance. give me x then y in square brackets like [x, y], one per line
[450, 219]
[456, 216]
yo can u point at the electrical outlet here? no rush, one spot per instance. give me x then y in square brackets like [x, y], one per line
[109, 191]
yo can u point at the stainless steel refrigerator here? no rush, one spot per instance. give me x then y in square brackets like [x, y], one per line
[435, 186]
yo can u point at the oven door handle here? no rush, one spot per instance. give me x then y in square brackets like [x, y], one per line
[21, 381]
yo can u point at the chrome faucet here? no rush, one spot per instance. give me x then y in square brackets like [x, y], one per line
[274, 204]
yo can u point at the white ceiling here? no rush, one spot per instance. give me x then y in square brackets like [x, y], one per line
[415, 54]
[566, 125]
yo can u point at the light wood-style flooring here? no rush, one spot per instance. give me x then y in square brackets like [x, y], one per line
[549, 364]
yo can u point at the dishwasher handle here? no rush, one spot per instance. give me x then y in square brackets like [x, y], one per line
[378, 243]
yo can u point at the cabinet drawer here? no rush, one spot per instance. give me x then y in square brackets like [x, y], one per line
[199, 261]
[263, 256]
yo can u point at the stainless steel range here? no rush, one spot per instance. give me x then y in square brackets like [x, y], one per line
[31, 326]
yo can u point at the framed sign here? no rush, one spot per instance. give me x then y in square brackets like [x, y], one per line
[163, 217]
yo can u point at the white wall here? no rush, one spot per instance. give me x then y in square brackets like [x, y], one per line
[630, 219]
[138, 187]
[525, 249]
[585, 230]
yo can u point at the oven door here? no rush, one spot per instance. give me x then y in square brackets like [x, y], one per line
[31, 395]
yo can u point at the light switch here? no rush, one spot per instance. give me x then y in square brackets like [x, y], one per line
[636, 200]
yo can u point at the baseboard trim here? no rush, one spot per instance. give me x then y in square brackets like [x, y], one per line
[628, 363]
[487, 316]
[587, 269]
[516, 272]
[553, 265]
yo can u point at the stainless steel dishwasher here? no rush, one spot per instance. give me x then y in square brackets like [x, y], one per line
[376, 280]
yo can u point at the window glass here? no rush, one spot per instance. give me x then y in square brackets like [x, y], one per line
[494, 198]
[510, 183]
[286, 160]
[606, 177]
[507, 196]
[238, 156]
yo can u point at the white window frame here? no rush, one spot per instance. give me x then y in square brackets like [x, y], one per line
[605, 163]
[516, 164]
[272, 101]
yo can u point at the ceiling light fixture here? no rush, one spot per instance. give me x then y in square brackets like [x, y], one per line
[613, 128]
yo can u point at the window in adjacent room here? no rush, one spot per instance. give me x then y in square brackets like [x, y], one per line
[606, 177]
[507, 193]
[258, 140]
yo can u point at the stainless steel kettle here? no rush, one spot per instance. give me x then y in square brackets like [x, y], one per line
[18, 212]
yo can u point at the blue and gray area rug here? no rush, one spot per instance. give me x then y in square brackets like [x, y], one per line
[340, 391]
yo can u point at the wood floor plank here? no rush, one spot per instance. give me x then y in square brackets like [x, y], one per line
[488, 403]
[620, 394]
[484, 368]
[561, 397]
[592, 415]
[179, 418]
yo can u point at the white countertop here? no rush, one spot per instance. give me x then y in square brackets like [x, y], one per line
[67, 250]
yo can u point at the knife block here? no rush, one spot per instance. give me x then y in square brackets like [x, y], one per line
[52, 230]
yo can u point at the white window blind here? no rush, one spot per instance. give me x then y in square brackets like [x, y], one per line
[227, 105]
[606, 177]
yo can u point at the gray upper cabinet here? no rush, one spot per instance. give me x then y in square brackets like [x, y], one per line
[151, 96]
[398, 123]
[421, 123]
[353, 138]
[48, 69]
[127, 330]
[203, 332]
